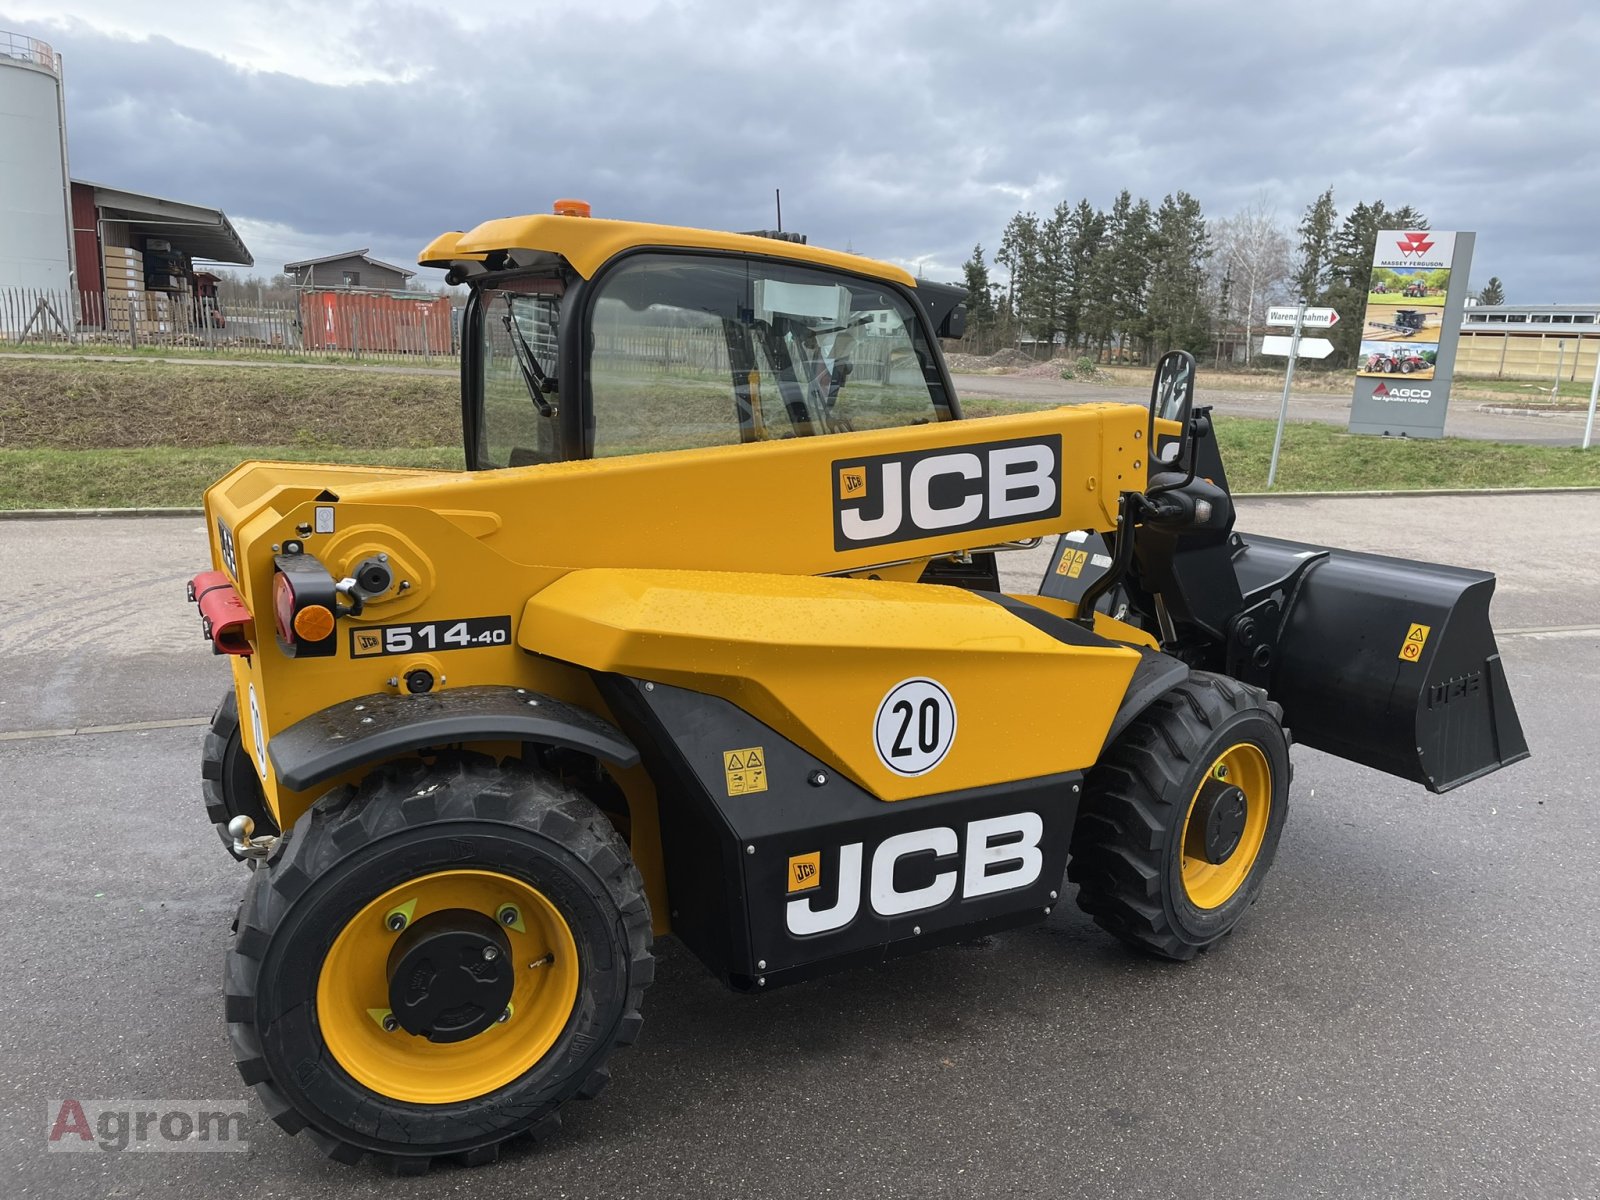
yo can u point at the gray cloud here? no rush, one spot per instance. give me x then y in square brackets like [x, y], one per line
[906, 132]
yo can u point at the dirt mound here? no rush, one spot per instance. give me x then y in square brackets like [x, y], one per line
[1006, 359]
[1009, 358]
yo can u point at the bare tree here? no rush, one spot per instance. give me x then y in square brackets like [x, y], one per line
[1255, 256]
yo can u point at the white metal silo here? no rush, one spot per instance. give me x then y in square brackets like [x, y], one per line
[35, 190]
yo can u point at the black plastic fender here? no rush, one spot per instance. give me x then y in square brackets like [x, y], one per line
[369, 729]
[1155, 675]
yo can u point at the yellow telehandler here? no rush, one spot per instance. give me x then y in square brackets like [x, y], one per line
[708, 640]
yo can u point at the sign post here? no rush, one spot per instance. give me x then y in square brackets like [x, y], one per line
[1288, 381]
[1594, 394]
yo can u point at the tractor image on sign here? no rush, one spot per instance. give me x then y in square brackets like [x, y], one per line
[708, 641]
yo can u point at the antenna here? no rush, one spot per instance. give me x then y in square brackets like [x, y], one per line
[777, 195]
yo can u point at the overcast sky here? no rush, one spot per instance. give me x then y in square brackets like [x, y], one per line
[907, 132]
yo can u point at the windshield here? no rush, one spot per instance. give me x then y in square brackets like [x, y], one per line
[692, 351]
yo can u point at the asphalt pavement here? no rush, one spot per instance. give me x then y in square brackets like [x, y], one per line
[1410, 1010]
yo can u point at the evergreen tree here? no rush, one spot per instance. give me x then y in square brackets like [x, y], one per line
[1086, 230]
[1178, 312]
[1019, 254]
[1131, 263]
[1101, 305]
[981, 314]
[1493, 292]
[1316, 244]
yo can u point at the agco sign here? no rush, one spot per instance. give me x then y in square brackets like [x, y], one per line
[1407, 395]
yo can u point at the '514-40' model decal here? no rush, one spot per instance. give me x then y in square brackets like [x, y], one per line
[423, 636]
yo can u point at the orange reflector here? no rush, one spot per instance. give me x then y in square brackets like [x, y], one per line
[572, 208]
[313, 623]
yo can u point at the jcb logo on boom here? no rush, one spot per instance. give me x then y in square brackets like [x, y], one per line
[903, 497]
[997, 854]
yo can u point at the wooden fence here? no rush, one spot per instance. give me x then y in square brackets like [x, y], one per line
[418, 329]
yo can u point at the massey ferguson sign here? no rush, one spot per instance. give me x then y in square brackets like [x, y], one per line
[1415, 293]
[1418, 248]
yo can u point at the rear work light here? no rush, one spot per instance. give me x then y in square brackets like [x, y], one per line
[223, 616]
[305, 602]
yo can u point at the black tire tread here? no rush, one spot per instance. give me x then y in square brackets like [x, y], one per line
[222, 736]
[388, 800]
[1119, 840]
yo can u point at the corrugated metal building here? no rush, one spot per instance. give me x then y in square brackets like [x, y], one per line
[1523, 341]
[349, 269]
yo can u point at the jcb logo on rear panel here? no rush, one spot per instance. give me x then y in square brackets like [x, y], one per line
[917, 871]
[903, 497]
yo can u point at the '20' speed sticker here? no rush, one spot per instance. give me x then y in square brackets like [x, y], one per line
[422, 636]
[914, 727]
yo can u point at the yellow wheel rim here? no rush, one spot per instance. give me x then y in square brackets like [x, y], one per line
[353, 992]
[1208, 884]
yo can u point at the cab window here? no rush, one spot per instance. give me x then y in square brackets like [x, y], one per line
[687, 351]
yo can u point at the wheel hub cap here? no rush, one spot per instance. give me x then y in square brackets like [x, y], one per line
[1226, 825]
[1218, 822]
[450, 976]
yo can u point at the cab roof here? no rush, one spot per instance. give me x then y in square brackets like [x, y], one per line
[587, 242]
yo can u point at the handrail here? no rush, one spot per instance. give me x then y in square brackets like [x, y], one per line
[30, 50]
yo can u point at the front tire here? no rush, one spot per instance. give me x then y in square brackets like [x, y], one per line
[434, 962]
[1180, 820]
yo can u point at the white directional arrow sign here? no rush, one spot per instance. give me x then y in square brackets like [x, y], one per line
[1315, 318]
[1279, 345]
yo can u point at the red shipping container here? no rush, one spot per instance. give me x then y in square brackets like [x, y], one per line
[360, 322]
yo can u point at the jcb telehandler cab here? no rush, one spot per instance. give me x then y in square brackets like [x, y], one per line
[708, 641]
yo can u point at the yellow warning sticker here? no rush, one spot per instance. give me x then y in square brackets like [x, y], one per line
[746, 770]
[1071, 564]
[805, 871]
[1416, 639]
[852, 483]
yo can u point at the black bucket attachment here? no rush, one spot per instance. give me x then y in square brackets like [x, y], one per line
[1384, 661]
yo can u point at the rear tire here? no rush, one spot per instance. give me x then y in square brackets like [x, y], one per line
[309, 991]
[228, 779]
[1139, 851]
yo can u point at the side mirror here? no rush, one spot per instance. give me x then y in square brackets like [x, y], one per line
[1172, 399]
[1172, 392]
[955, 323]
